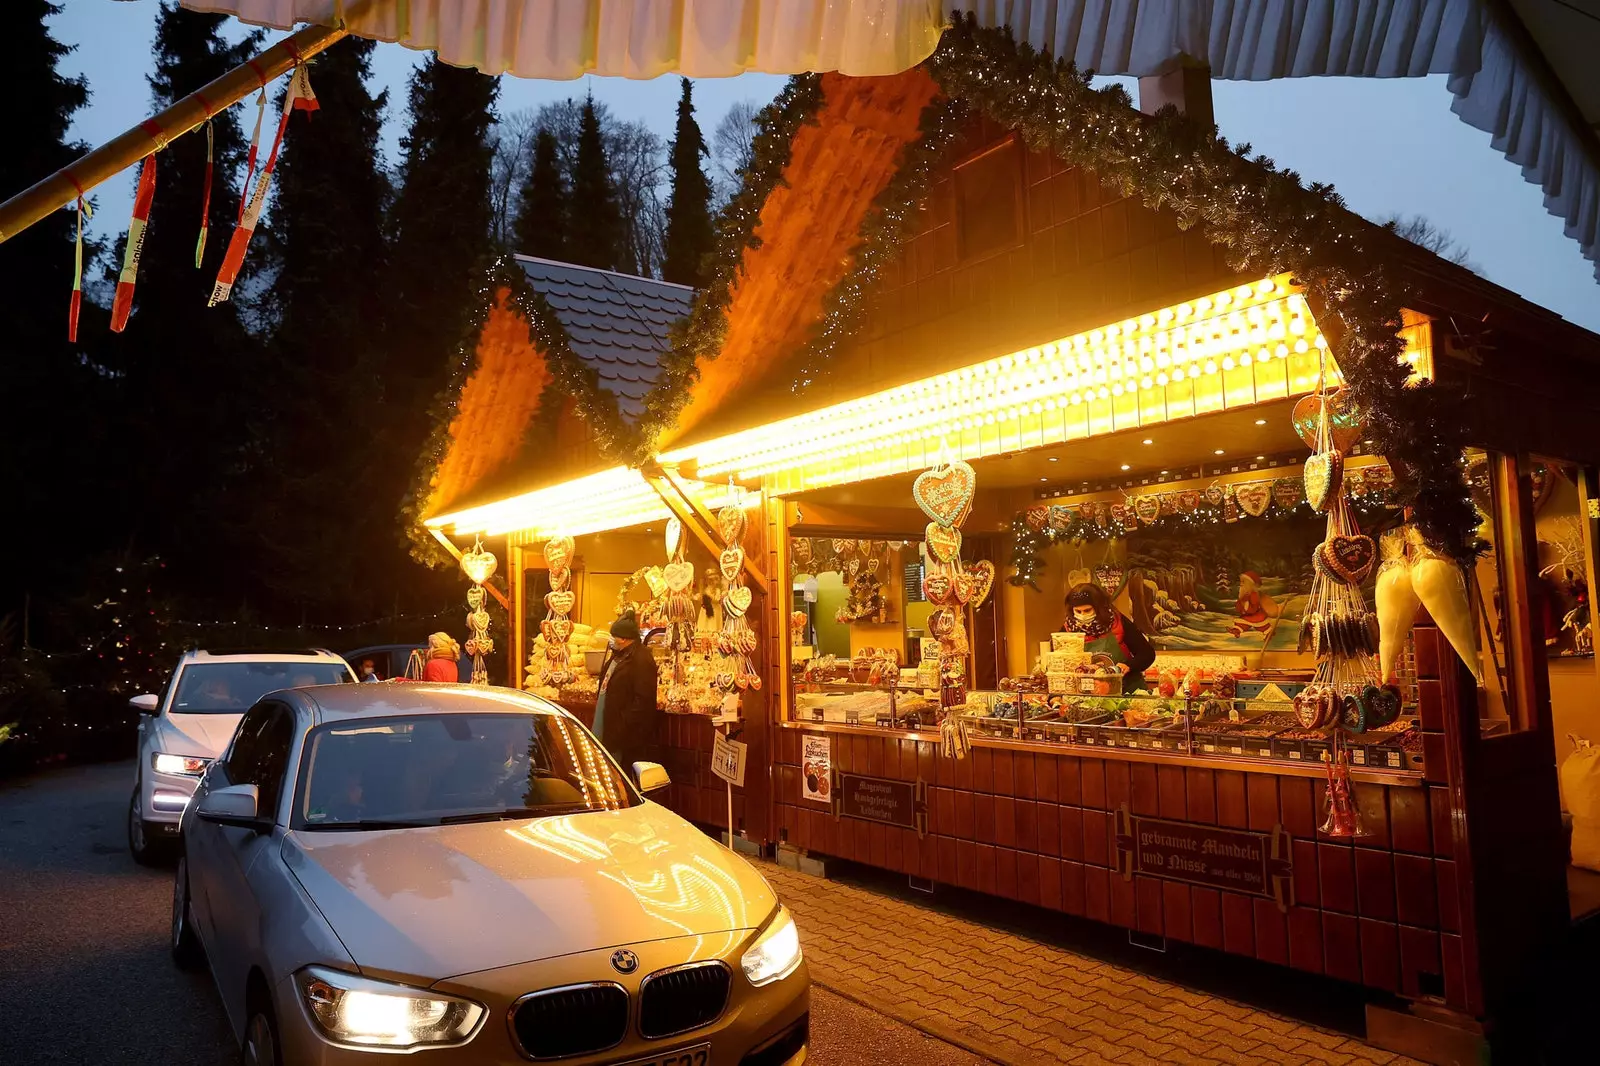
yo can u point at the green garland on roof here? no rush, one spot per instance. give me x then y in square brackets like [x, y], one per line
[1268, 222]
[699, 336]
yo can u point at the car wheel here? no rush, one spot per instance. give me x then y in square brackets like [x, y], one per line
[261, 1038]
[186, 951]
[141, 841]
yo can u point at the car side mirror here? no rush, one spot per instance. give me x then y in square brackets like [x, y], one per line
[234, 805]
[652, 776]
[145, 704]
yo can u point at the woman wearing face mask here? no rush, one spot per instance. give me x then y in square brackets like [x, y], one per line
[625, 710]
[1109, 632]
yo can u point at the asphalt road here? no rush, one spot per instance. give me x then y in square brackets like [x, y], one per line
[84, 972]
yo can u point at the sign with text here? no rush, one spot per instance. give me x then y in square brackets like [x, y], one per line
[727, 759]
[1234, 860]
[816, 769]
[879, 799]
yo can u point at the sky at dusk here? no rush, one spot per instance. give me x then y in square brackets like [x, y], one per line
[1388, 146]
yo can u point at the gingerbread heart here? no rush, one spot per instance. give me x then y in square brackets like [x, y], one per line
[1036, 517]
[1188, 501]
[945, 493]
[560, 577]
[730, 523]
[1323, 473]
[656, 581]
[937, 588]
[1349, 558]
[1344, 421]
[1383, 705]
[1110, 578]
[852, 567]
[1147, 508]
[1215, 494]
[478, 620]
[1254, 498]
[961, 587]
[982, 574]
[678, 576]
[556, 630]
[478, 565]
[943, 542]
[558, 552]
[1060, 517]
[674, 537]
[1286, 493]
[559, 602]
[942, 624]
[800, 550]
[736, 601]
[730, 562]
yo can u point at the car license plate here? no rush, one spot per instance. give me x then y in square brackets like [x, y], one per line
[699, 1055]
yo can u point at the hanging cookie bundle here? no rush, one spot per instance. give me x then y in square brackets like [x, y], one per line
[553, 666]
[945, 494]
[736, 643]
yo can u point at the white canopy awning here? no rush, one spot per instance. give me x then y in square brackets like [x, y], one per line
[1521, 70]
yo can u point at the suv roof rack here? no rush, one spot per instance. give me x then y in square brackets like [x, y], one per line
[262, 651]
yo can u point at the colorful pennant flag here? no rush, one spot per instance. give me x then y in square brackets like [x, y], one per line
[122, 303]
[298, 97]
[84, 211]
[250, 157]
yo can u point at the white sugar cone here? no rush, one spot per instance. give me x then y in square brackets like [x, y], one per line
[1442, 587]
[1397, 602]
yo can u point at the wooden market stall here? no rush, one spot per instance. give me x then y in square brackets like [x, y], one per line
[953, 275]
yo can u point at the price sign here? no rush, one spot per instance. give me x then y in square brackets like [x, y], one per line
[727, 760]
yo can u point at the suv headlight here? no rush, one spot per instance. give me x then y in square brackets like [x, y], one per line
[357, 1010]
[776, 952]
[186, 765]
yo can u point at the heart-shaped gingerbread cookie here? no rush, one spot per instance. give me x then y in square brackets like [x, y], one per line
[1147, 508]
[982, 575]
[944, 542]
[560, 577]
[736, 601]
[678, 576]
[1344, 421]
[1323, 473]
[730, 523]
[559, 602]
[674, 537]
[558, 552]
[1349, 558]
[730, 562]
[937, 588]
[1254, 498]
[945, 493]
[1286, 493]
[478, 565]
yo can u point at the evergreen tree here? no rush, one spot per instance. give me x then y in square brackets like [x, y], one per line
[595, 236]
[689, 235]
[440, 227]
[189, 375]
[541, 226]
[51, 429]
[324, 458]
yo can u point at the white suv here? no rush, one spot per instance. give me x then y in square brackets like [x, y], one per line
[192, 721]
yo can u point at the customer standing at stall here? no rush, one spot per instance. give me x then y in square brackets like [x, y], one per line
[1108, 631]
[625, 710]
[443, 653]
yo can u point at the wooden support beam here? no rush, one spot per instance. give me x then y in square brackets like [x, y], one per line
[153, 134]
[700, 521]
[455, 552]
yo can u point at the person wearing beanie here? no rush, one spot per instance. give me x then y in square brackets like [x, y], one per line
[443, 652]
[625, 709]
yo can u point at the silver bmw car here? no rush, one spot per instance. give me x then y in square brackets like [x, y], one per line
[466, 874]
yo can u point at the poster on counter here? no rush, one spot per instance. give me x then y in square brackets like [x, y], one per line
[816, 769]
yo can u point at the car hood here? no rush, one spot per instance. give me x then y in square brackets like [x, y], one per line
[440, 901]
[204, 735]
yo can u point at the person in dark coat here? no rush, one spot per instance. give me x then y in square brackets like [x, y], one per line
[1110, 632]
[625, 710]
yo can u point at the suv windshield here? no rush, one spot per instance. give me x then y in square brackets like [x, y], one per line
[232, 688]
[430, 769]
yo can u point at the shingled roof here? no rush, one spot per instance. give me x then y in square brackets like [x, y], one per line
[618, 324]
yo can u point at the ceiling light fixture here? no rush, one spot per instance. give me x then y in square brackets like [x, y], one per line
[1261, 421]
[1125, 466]
[1217, 452]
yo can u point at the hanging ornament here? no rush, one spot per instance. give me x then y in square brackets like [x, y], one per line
[552, 668]
[478, 564]
[250, 155]
[945, 492]
[1343, 818]
[736, 643]
[84, 212]
[122, 303]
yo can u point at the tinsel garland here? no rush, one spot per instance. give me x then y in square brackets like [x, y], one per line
[1268, 222]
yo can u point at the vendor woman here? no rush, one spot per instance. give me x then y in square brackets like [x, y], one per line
[1110, 632]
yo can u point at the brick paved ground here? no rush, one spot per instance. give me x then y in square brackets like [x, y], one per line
[1021, 1001]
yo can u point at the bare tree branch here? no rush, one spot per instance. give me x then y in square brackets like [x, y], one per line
[733, 146]
[1436, 239]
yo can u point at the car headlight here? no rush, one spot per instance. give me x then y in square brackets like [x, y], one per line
[357, 1010]
[187, 765]
[776, 952]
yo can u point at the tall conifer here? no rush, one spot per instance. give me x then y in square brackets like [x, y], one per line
[541, 227]
[596, 224]
[689, 234]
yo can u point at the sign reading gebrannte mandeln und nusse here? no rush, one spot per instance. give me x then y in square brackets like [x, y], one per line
[1234, 860]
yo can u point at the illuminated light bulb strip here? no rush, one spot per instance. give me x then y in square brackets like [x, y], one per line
[612, 499]
[1233, 348]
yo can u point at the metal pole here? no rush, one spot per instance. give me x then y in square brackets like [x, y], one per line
[153, 134]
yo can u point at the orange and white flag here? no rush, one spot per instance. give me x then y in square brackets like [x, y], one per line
[122, 303]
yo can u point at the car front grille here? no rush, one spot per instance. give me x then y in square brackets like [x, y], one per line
[577, 1020]
[682, 998]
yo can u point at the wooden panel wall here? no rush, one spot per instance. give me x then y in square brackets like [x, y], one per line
[1038, 827]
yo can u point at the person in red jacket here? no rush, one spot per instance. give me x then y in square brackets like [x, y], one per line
[443, 653]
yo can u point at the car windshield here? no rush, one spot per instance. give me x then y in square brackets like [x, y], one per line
[432, 769]
[232, 688]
